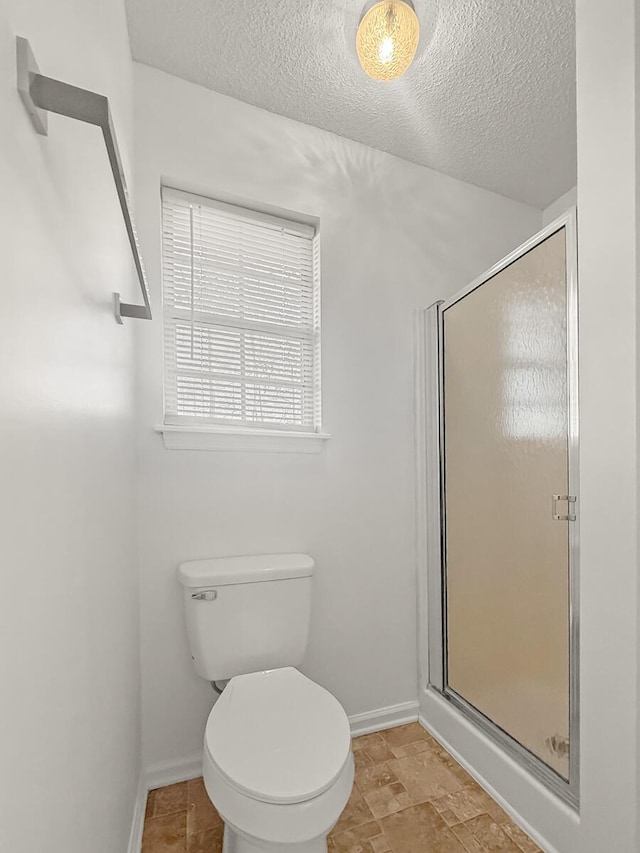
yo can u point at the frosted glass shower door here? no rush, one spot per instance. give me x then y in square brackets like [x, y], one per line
[505, 431]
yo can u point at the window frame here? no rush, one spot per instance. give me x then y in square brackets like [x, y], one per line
[191, 432]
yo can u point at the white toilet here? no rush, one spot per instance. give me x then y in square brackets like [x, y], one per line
[277, 747]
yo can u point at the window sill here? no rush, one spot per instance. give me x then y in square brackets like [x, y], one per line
[178, 437]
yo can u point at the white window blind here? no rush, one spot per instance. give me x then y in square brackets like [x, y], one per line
[241, 316]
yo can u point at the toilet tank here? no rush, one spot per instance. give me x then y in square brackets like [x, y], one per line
[247, 614]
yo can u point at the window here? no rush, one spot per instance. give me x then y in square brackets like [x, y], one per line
[241, 318]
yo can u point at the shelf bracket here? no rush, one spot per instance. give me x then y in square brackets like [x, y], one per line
[42, 95]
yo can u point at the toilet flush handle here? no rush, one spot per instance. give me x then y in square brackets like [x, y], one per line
[205, 595]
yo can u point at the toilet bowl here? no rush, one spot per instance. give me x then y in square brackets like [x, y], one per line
[277, 748]
[277, 762]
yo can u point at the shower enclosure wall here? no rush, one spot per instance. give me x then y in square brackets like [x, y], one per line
[499, 429]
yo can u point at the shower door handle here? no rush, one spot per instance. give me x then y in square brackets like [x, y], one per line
[571, 501]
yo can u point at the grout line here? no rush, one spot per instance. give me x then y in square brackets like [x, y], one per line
[371, 819]
[167, 814]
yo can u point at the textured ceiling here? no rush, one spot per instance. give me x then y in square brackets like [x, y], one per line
[490, 98]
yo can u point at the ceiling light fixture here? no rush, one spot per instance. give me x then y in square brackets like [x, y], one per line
[387, 38]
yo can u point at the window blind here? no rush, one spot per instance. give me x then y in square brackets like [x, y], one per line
[241, 316]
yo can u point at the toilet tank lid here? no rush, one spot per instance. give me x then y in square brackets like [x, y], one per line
[222, 571]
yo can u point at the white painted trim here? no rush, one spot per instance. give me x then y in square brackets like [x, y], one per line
[179, 437]
[542, 843]
[383, 718]
[531, 796]
[169, 772]
[421, 489]
[427, 494]
[157, 776]
[137, 823]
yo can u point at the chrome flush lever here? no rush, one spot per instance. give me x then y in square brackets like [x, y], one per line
[570, 499]
[205, 595]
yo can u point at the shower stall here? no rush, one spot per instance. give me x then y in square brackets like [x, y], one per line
[499, 436]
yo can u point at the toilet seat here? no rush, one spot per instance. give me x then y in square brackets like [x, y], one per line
[277, 737]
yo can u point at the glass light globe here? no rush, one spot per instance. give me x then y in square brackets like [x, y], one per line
[387, 39]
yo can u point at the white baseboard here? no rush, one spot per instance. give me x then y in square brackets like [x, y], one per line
[542, 843]
[157, 776]
[383, 718]
[137, 824]
[169, 772]
[190, 767]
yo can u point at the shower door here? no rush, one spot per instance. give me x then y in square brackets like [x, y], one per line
[507, 447]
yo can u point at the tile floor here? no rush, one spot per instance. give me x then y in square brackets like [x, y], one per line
[410, 796]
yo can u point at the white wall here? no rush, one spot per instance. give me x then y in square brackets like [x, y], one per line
[69, 661]
[560, 206]
[394, 236]
[608, 68]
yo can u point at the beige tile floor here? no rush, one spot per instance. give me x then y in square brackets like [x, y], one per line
[409, 796]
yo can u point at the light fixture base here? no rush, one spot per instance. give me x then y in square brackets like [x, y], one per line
[371, 3]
